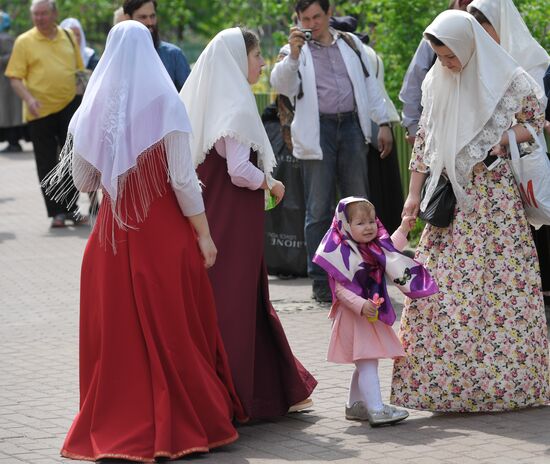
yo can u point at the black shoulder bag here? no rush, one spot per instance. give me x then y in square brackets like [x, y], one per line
[440, 210]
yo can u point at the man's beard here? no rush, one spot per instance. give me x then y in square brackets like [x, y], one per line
[155, 35]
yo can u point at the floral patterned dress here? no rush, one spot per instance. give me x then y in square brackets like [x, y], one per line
[480, 344]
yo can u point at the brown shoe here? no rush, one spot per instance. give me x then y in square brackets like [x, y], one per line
[78, 219]
[321, 291]
[58, 221]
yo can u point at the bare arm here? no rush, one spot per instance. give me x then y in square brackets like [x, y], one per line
[206, 244]
[32, 103]
[412, 203]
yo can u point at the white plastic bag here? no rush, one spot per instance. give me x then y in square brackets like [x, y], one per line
[532, 174]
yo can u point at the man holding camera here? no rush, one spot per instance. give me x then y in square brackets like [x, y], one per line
[335, 97]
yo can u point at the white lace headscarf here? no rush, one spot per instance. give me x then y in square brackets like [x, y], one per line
[85, 51]
[465, 113]
[129, 108]
[514, 35]
[220, 101]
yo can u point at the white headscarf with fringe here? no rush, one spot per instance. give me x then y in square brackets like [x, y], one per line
[130, 107]
[514, 35]
[85, 51]
[466, 113]
[220, 101]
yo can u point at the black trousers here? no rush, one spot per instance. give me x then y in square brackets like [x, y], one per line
[48, 136]
[542, 242]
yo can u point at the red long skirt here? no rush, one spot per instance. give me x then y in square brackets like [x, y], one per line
[154, 377]
[267, 376]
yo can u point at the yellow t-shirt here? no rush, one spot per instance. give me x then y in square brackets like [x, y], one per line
[47, 68]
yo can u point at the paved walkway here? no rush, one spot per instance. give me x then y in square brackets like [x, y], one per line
[39, 283]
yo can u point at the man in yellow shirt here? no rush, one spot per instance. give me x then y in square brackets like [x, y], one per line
[42, 70]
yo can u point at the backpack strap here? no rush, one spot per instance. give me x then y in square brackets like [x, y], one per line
[69, 37]
[351, 43]
[72, 43]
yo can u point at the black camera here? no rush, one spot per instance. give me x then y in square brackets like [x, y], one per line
[307, 33]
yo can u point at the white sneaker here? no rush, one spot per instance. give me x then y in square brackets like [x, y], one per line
[388, 415]
[357, 411]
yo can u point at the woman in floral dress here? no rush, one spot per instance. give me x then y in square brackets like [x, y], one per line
[481, 343]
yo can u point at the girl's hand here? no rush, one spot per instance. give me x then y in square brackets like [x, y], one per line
[208, 250]
[369, 309]
[407, 223]
[278, 190]
[411, 207]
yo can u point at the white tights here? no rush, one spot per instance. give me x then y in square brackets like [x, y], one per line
[365, 385]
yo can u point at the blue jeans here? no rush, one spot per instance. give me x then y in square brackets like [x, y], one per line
[344, 164]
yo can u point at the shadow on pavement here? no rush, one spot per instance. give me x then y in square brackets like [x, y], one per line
[522, 425]
[6, 236]
[82, 232]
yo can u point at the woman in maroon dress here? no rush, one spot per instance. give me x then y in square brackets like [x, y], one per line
[154, 377]
[236, 159]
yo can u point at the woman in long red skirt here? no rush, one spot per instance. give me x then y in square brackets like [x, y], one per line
[154, 377]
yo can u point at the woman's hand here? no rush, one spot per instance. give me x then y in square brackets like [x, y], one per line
[278, 189]
[208, 250]
[499, 150]
[369, 309]
[411, 207]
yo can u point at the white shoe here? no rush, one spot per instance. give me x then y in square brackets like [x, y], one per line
[305, 404]
[357, 411]
[388, 415]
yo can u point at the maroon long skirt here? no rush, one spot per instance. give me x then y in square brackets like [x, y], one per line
[268, 378]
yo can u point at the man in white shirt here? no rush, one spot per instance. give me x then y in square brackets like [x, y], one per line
[335, 98]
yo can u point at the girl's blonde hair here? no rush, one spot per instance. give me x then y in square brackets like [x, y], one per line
[357, 207]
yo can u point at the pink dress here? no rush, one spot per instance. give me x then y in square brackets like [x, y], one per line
[353, 337]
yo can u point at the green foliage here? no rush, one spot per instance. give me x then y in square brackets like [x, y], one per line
[416, 233]
[395, 26]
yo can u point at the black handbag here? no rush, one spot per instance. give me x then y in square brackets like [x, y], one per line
[440, 209]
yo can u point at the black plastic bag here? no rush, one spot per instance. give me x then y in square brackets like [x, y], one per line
[285, 249]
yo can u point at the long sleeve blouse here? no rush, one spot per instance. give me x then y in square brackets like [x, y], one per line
[242, 172]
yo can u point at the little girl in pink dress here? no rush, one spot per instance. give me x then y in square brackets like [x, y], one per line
[358, 254]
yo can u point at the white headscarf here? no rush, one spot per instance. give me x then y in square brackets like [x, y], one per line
[220, 101]
[465, 113]
[85, 52]
[129, 107]
[514, 35]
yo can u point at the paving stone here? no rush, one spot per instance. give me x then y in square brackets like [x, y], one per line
[39, 396]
